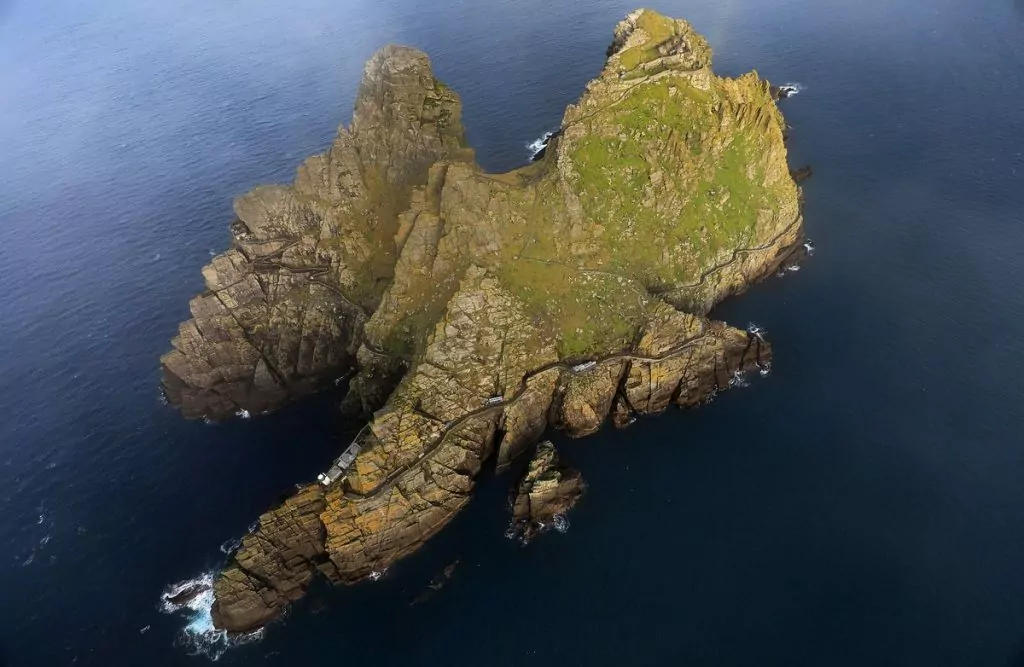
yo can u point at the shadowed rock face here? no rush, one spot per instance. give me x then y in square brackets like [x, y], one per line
[546, 492]
[504, 304]
[284, 308]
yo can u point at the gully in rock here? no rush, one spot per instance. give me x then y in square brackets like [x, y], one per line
[478, 310]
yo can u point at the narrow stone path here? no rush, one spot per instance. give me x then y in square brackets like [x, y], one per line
[505, 403]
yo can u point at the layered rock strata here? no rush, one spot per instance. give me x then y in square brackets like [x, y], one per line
[425, 449]
[284, 308]
[501, 305]
[545, 494]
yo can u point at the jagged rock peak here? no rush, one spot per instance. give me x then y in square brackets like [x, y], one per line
[545, 494]
[284, 309]
[646, 40]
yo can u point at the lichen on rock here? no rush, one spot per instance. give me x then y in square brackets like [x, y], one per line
[284, 308]
[544, 495]
[480, 309]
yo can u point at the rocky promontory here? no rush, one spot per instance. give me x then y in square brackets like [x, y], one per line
[284, 308]
[479, 310]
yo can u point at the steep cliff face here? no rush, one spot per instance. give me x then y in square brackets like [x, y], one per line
[284, 308]
[425, 448]
[555, 295]
[665, 182]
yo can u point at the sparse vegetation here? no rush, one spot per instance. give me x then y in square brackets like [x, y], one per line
[659, 30]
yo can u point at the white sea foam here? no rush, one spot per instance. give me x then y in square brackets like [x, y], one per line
[809, 246]
[201, 583]
[756, 330]
[539, 144]
[230, 546]
[199, 636]
[791, 89]
[766, 369]
[43, 519]
[738, 380]
[560, 523]
[244, 414]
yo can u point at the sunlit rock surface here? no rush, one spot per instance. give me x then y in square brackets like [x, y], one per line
[481, 309]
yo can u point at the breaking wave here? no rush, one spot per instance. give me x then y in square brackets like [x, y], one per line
[739, 380]
[756, 330]
[538, 145]
[560, 523]
[193, 600]
[230, 546]
[791, 89]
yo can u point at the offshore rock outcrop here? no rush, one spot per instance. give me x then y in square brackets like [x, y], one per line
[545, 494]
[501, 305]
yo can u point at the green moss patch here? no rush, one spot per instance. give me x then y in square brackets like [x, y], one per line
[659, 29]
[673, 177]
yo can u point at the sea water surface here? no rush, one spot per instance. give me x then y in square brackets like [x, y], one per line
[863, 505]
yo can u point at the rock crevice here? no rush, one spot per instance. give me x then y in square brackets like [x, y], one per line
[478, 310]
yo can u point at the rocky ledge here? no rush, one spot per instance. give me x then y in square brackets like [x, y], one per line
[284, 308]
[479, 310]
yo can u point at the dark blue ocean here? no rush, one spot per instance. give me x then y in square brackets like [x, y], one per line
[863, 505]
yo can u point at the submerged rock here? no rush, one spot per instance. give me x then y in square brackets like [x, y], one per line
[186, 595]
[802, 174]
[436, 584]
[785, 91]
[481, 309]
[545, 494]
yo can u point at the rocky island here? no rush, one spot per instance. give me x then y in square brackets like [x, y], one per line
[474, 311]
